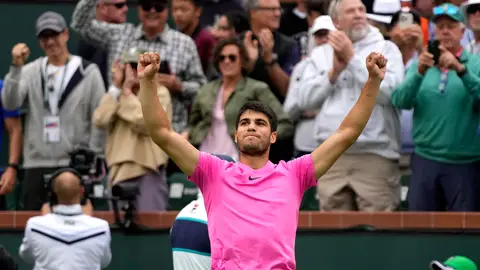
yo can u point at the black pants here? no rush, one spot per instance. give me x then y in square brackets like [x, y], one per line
[439, 186]
[34, 193]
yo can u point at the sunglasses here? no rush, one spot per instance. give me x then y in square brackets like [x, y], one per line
[118, 5]
[48, 34]
[148, 6]
[473, 9]
[231, 57]
[445, 10]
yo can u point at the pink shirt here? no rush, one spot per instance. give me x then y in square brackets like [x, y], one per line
[253, 214]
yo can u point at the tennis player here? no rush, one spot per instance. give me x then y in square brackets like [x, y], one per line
[252, 205]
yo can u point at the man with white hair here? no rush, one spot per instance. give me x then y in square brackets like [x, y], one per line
[331, 83]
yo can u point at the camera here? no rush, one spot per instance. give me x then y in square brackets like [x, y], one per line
[88, 166]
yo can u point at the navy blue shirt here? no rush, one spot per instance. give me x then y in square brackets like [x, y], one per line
[4, 114]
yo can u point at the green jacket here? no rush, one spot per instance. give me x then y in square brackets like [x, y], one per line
[200, 119]
[444, 123]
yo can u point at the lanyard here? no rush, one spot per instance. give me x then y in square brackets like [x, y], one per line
[50, 90]
[444, 75]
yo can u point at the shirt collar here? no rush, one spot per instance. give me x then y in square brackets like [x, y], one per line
[67, 210]
[162, 36]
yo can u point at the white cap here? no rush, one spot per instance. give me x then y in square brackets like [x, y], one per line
[465, 5]
[322, 22]
[382, 7]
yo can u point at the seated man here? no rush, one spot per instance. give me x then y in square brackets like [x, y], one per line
[52, 241]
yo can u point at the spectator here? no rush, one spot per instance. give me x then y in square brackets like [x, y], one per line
[294, 21]
[409, 40]
[304, 141]
[471, 9]
[230, 25]
[66, 238]
[153, 34]
[214, 112]
[11, 121]
[444, 96]
[315, 8]
[186, 14]
[60, 104]
[110, 11]
[213, 9]
[6, 260]
[272, 57]
[468, 36]
[331, 84]
[139, 160]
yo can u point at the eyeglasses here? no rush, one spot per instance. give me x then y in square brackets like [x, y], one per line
[231, 57]
[473, 9]
[118, 5]
[148, 6]
[445, 10]
[48, 34]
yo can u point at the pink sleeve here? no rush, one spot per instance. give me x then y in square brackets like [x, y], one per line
[206, 172]
[304, 170]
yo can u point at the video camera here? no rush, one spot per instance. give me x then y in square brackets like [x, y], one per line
[89, 166]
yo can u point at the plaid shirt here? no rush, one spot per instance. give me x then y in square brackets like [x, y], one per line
[173, 46]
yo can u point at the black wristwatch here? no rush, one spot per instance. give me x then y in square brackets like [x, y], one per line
[273, 61]
[460, 74]
[14, 166]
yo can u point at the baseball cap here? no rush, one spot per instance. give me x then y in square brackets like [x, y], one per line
[50, 21]
[381, 10]
[468, 3]
[130, 55]
[322, 22]
[396, 17]
[449, 10]
[454, 263]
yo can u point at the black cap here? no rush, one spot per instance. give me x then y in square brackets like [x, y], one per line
[396, 17]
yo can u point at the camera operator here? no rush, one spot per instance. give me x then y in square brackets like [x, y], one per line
[131, 155]
[67, 238]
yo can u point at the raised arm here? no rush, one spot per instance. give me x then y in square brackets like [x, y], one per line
[352, 126]
[156, 120]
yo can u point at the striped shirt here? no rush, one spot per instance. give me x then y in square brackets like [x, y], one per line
[189, 238]
[173, 46]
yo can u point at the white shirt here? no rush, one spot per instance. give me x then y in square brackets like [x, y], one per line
[56, 80]
[66, 240]
[189, 238]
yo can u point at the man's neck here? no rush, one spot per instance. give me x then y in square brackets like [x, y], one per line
[59, 60]
[256, 28]
[150, 33]
[254, 162]
[191, 29]
[301, 7]
[230, 82]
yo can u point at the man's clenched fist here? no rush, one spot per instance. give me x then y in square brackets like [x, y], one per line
[148, 65]
[20, 53]
[376, 65]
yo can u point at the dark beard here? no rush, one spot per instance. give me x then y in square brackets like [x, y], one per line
[253, 151]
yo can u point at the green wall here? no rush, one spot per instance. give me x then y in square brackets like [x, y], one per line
[334, 250]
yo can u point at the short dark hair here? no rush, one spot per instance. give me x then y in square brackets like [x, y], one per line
[6, 260]
[260, 107]
[320, 6]
[238, 20]
[241, 49]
